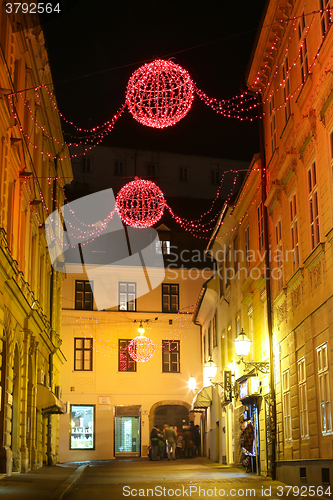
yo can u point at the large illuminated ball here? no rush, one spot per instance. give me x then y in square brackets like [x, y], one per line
[140, 203]
[159, 94]
[141, 349]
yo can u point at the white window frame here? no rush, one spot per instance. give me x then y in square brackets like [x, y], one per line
[286, 405]
[313, 200]
[324, 393]
[303, 399]
[294, 231]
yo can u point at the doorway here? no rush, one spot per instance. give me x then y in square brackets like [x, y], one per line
[127, 431]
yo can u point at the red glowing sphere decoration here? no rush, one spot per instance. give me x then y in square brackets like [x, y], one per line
[159, 94]
[140, 203]
[141, 349]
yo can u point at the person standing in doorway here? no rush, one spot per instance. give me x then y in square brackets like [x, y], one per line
[171, 437]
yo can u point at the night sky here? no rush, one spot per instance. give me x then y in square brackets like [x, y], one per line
[96, 45]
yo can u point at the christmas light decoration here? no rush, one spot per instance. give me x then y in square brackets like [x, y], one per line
[140, 203]
[159, 94]
[141, 349]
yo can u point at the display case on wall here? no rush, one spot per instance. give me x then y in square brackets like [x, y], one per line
[82, 427]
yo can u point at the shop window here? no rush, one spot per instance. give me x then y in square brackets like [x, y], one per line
[170, 356]
[82, 427]
[83, 354]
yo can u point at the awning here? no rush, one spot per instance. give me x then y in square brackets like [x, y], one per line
[203, 399]
[46, 400]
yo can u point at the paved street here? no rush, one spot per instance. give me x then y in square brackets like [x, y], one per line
[197, 478]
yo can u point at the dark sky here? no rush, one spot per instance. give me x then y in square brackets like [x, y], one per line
[109, 39]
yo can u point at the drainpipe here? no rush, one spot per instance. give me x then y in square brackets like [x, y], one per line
[49, 416]
[272, 411]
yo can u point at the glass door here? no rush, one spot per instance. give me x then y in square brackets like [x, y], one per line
[127, 436]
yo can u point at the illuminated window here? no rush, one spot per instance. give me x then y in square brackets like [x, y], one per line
[214, 330]
[209, 338]
[303, 398]
[82, 427]
[294, 232]
[170, 298]
[83, 295]
[127, 296]
[163, 247]
[125, 362]
[286, 405]
[313, 205]
[83, 354]
[303, 48]
[324, 390]
[170, 356]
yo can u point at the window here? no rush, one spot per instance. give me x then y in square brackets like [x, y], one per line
[313, 206]
[304, 49]
[125, 362]
[294, 232]
[229, 342]
[286, 89]
[184, 174]
[215, 177]
[87, 165]
[278, 257]
[303, 398]
[152, 170]
[83, 295]
[286, 405]
[204, 349]
[209, 338]
[163, 247]
[325, 16]
[247, 246]
[236, 252]
[170, 356]
[238, 324]
[127, 296]
[170, 298]
[324, 390]
[214, 331]
[82, 427]
[119, 168]
[260, 213]
[272, 123]
[83, 354]
[227, 267]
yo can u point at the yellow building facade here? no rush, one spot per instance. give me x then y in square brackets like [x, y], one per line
[291, 68]
[32, 173]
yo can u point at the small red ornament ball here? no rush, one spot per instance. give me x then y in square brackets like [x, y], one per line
[140, 203]
[159, 94]
[141, 349]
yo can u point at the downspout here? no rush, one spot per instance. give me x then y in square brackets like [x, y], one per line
[49, 416]
[272, 408]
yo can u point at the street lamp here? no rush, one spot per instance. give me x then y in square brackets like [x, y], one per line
[192, 383]
[242, 347]
[210, 369]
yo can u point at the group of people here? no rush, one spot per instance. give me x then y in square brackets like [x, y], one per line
[172, 443]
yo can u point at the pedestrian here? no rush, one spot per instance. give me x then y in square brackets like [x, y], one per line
[180, 445]
[171, 438]
[154, 443]
[188, 442]
[197, 441]
[161, 443]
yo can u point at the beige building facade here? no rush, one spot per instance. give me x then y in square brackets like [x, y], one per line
[30, 188]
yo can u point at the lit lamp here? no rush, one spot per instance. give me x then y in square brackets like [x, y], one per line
[192, 384]
[242, 347]
[210, 369]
